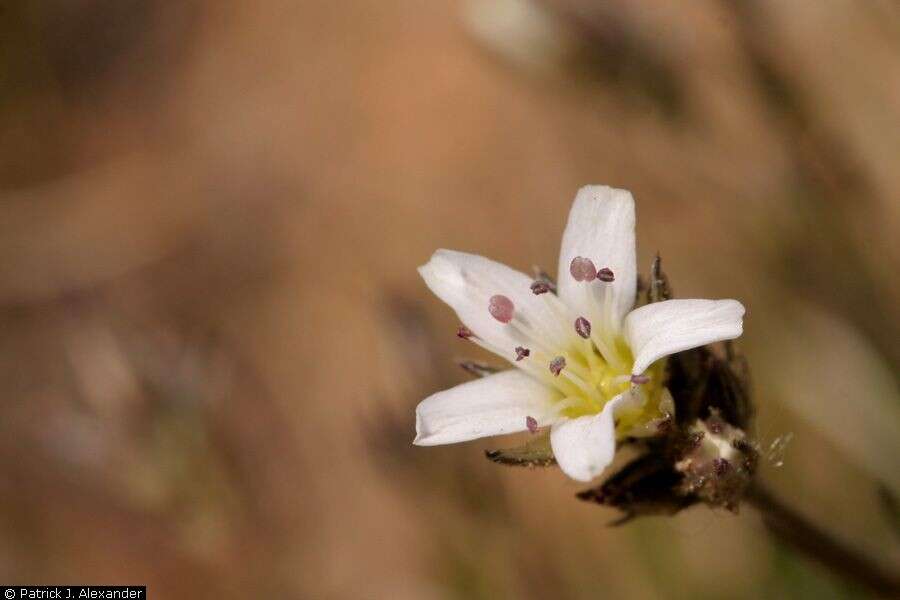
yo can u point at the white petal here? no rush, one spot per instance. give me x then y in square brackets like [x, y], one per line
[584, 446]
[662, 328]
[601, 228]
[466, 282]
[492, 405]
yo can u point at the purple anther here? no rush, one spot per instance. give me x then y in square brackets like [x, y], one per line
[583, 327]
[582, 269]
[540, 287]
[640, 379]
[715, 424]
[531, 424]
[501, 308]
[557, 365]
[522, 353]
[464, 333]
[606, 275]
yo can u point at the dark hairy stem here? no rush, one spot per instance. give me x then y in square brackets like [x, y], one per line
[798, 532]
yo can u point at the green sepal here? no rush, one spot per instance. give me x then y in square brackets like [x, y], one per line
[536, 452]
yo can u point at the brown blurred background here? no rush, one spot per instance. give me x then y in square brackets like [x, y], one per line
[213, 336]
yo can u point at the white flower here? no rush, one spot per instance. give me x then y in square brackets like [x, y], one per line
[588, 366]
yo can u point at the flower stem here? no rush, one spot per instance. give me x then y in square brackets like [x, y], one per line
[798, 532]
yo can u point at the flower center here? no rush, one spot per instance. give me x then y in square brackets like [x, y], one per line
[592, 368]
[589, 380]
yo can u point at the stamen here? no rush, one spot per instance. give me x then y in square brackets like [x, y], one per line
[567, 402]
[465, 333]
[521, 326]
[607, 354]
[532, 424]
[554, 305]
[573, 364]
[540, 287]
[501, 308]
[583, 327]
[479, 369]
[582, 269]
[501, 352]
[557, 365]
[522, 353]
[591, 355]
[542, 276]
[640, 379]
[606, 275]
[582, 385]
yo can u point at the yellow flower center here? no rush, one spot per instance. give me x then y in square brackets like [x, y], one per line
[589, 381]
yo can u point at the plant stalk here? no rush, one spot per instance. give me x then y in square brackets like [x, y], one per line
[798, 532]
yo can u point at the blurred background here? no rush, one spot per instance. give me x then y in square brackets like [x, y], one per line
[213, 336]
